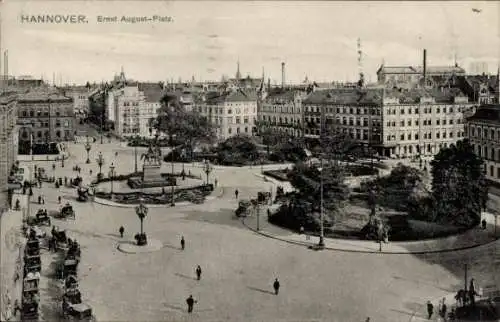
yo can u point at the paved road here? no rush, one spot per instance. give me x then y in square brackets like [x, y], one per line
[238, 266]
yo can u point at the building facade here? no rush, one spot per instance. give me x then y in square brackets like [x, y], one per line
[281, 111]
[8, 144]
[44, 117]
[419, 122]
[347, 111]
[80, 96]
[396, 123]
[483, 132]
[232, 112]
[133, 109]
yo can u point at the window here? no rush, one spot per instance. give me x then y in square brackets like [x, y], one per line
[388, 138]
[58, 134]
[402, 123]
[237, 130]
[402, 137]
[438, 135]
[230, 130]
[416, 136]
[58, 123]
[238, 120]
[438, 122]
[39, 134]
[416, 122]
[444, 122]
[409, 136]
[409, 122]
[491, 170]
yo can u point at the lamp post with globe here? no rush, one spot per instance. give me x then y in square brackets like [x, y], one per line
[207, 168]
[87, 148]
[111, 176]
[142, 211]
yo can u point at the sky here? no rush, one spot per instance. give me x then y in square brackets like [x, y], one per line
[205, 39]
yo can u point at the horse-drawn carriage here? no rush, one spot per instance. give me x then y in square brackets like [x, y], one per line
[73, 250]
[30, 284]
[78, 312]
[32, 247]
[263, 197]
[83, 194]
[29, 308]
[244, 208]
[60, 239]
[32, 264]
[69, 267]
[41, 218]
[66, 211]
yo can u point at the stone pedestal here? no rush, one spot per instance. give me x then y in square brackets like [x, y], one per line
[151, 172]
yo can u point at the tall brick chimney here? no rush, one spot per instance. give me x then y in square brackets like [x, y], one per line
[425, 65]
[283, 75]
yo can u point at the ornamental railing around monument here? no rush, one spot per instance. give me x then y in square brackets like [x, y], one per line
[191, 194]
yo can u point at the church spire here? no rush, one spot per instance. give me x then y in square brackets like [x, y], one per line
[238, 73]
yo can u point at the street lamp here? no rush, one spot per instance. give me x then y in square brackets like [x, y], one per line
[87, 148]
[100, 163]
[321, 243]
[111, 175]
[142, 211]
[207, 168]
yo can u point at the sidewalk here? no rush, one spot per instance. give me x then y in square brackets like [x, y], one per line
[11, 260]
[472, 238]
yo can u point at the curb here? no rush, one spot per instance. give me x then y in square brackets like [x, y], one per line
[105, 202]
[448, 250]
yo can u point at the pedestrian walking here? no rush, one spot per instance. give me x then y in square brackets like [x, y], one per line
[430, 310]
[236, 192]
[472, 291]
[121, 230]
[276, 286]
[59, 199]
[116, 154]
[444, 309]
[53, 166]
[65, 181]
[483, 223]
[43, 199]
[190, 303]
[198, 272]
[39, 200]
[183, 243]
[31, 192]
[215, 182]
[90, 171]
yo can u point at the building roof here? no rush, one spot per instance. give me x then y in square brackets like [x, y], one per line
[43, 96]
[419, 70]
[7, 97]
[487, 113]
[413, 95]
[281, 94]
[233, 96]
[346, 96]
[153, 93]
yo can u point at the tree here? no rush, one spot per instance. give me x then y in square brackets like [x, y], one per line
[307, 180]
[175, 121]
[459, 187]
[237, 150]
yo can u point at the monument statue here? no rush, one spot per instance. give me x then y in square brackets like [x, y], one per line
[152, 156]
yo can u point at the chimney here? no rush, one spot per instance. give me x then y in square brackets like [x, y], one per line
[425, 65]
[6, 66]
[283, 75]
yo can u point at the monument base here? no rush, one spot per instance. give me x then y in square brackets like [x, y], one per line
[151, 172]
